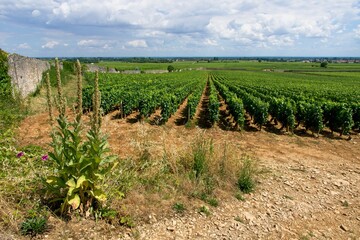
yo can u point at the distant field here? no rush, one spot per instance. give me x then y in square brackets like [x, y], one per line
[328, 85]
[244, 65]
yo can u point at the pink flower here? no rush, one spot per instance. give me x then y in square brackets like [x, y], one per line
[45, 157]
[20, 154]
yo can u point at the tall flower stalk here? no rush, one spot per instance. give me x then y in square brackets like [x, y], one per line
[48, 97]
[96, 118]
[61, 101]
[79, 89]
[79, 164]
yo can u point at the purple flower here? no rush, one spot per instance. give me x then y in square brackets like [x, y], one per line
[20, 154]
[45, 157]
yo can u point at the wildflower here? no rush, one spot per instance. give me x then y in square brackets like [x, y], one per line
[20, 154]
[45, 157]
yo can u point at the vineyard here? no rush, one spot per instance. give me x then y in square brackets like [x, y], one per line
[310, 100]
[147, 93]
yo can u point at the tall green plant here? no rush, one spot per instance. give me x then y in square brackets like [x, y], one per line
[79, 165]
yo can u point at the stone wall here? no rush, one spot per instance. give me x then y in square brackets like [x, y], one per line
[93, 68]
[26, 73]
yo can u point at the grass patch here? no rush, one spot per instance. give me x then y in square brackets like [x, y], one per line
[179, 207]
[12, 112]
[33, 226]
[246, 180]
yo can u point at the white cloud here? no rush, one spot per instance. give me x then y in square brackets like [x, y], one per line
[51, 44]
[96, 43]
[63, 10]
[35, 13]
[210, 42]
[137, 44]
[24, 46]
[87, 43]
[357, 32]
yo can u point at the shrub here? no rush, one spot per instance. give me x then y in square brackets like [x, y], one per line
[5, 81]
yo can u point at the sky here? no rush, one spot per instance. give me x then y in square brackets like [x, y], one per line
[167, 28]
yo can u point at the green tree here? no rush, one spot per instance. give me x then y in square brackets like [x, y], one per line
[170, 68]
[324, 64]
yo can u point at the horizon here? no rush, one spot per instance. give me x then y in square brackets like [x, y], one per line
[212, 57]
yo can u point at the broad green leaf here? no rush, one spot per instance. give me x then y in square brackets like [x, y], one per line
[99, 195]
[55, 181]
[74, 201]
[80, 181]
[70, 191]
[71, 183]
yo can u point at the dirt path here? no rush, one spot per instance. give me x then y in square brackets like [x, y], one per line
[202, 111]
[180, 117]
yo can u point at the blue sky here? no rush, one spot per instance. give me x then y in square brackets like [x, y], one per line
[119, 28]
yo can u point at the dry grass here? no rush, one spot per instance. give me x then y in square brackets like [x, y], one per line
[160, 173]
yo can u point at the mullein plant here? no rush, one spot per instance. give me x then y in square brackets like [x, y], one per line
[80, 165]
[48, 98]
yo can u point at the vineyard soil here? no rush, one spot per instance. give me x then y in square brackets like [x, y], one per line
[308, 188]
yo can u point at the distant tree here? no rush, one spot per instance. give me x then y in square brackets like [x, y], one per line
[170, 68]
[323, 64]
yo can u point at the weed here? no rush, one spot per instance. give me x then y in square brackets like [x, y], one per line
[135, 234]
[239, 219]
[246, 182]
[205, 210]
[179, 207]
[307, 236]
[33, 226]
[107, 214]
[239, 196]
[304, 237]
[213, 202]
[79, 166]
[200, 151]
[345, 203]
[127, 221]
[299, 169]
[190, 124]
[288, 197]
[209, 184]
